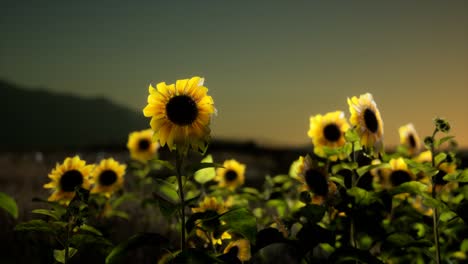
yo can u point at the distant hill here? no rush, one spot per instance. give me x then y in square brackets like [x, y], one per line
[39, 119]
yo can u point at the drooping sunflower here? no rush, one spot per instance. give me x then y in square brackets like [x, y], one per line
[232, 175]
[397, 174]
[240, 248]
[180, 114]
[409, 138]
[365, 116]
[108, 177]
[205, 229]
[141, 145]
[65, 177]
[328, 131]
[315, 179]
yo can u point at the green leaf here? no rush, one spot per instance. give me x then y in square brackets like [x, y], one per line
[242, 221]
[194, 256]
[202, 165]
[442, 141]
[362, 170]
[90, 229]
[344, 166]
[201, 217]
[313, 213]
[205, 175]
[464, 245]
[118, 213]
[351, 135]
[338, 180]
[457, 176]
[54, 214]
[163, 163]
[440, 157]
[81, 240]
[136, 241]
[8, 204]
[36, 225]
[413, 187]
[167, 207]
[279, 204]
[447, 216]
[362, 197]
[59, 255]
[123, 198]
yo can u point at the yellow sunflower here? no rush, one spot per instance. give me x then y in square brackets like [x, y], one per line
[315, 179]
[365, 116]
[180, 114]
[409, 138]
[241, 249]
[141, 145]
[232, 175]
[397, 174]
[108, 177]
[65, 177]
[328, 131]
[211, 204]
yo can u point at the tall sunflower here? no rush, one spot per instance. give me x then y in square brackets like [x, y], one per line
[365, 116]
[108, 177]
[180, 114]
[315, 179]
[240, 248]
[232, 175]
[397, 174]
[141, 145]
[205, 230]
[409, 138]
[65, 177]
[328, 131]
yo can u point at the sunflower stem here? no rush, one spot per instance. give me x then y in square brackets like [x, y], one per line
[354, 178]
[179, 162]
[435, 215]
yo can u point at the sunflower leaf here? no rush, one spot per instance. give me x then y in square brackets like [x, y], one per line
[125, 197]
[338, 180]
[136, 241]
[164, 163]
[59, 255]
[361, 196]
[313, 213]
[90, 229]
[8, 204]
[439, 158]
[52, 213]
[242, 221]
[362, 170]
[205, 175]
[344, 166]
[457, 176]
[81, 240]
[412, 187]
[37, 225]
[441, 141]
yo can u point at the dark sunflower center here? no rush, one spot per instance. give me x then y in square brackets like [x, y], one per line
[332, 132]
[107, 178]
[412, 141]
[317, 182]
[70, 180]
[143, 144]
[230, 176]
[182, 110]
[399, 176]
[371, 120]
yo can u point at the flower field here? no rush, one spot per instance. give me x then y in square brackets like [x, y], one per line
[175, 196]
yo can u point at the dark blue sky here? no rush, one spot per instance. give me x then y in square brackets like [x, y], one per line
[269, 65]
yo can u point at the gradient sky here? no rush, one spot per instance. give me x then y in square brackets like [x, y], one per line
[269, 65]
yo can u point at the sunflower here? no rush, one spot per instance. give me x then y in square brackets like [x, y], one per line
[328, 131]
[180, 114]
[108, 177]
[231, 175]
[366, 118]
[240, 248]
[397, 174]
[409, 138]
[204, 230]
[315, 179]
[141, 145]
[65, 177]
[444, 169]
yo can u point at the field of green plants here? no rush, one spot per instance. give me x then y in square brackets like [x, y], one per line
[346, 201]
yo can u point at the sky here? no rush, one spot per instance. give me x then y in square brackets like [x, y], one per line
[269, 65]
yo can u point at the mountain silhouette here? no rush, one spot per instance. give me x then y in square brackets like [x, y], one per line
[39, 119]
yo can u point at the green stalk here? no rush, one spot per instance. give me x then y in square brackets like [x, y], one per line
[352, 232]
[435, 215]
[179, 161]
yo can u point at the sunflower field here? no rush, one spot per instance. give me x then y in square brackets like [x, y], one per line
[346, 199]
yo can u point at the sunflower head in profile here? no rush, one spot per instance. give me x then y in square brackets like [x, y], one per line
[365, 116]
[239, 248]
[232, 175]
[206, 230]
[315, 179]
[397, 174]
[65, 177]
[180, 114]
[108, 177]
[328, 131]
[141, 145]
[409, 139]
